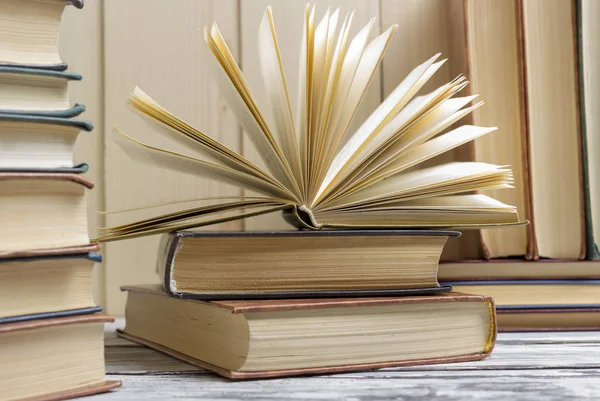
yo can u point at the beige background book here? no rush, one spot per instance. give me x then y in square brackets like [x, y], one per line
[493, 56]
[552, 102]
[99, 42]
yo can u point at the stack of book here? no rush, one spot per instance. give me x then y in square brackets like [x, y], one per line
[254, 305]
[542, 90]
[363, 294]
[51, 331]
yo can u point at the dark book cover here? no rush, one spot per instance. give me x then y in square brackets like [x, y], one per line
[81, 168]
[74, 251]
[13, 69]
[51, 67]
[74, 111]
[50, 315]
[76, 3]
[81, 124]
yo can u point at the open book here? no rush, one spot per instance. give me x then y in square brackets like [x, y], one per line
[322, 174]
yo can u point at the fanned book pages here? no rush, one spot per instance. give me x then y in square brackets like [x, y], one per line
[322, 174]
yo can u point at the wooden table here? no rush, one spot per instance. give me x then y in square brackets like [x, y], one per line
[524, 366]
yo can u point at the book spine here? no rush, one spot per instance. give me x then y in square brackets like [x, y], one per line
[167, 250]
[466, 10]
[493, 328]
[53, 67]
[580, 127]
[76, 3]
[68, 113]
[592, 251]
[532, 250]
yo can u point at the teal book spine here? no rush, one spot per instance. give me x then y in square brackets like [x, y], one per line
[67, 113]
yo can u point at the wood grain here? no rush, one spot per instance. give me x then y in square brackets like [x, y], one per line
[156, 45]
[523, 366]
[81, 49]
[550, 385]
[133, 359]
[549, 366]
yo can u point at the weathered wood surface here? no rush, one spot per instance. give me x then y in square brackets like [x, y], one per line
[555, 384]
[524, 366]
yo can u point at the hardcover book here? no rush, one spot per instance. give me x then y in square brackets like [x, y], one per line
[589, 91]
[29, 33]
[540, 293]
[53, 359]
[246, 339]
[517, 269]
[42, 211]
[37, 92]
[566, 318]
[549, 42]
[48, 283]
[320, 172]
[492, 47]
[80, 168]
[300, 264]
[30, 142]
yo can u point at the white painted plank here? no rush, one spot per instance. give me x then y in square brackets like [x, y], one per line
[155, 44]
[81, 49]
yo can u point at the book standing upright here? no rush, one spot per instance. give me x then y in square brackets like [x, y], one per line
[534, 61]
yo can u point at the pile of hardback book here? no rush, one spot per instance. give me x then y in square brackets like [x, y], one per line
[358, 290]
[254, 305]
[51, 331]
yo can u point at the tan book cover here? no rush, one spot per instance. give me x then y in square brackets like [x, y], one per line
[306, 308]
